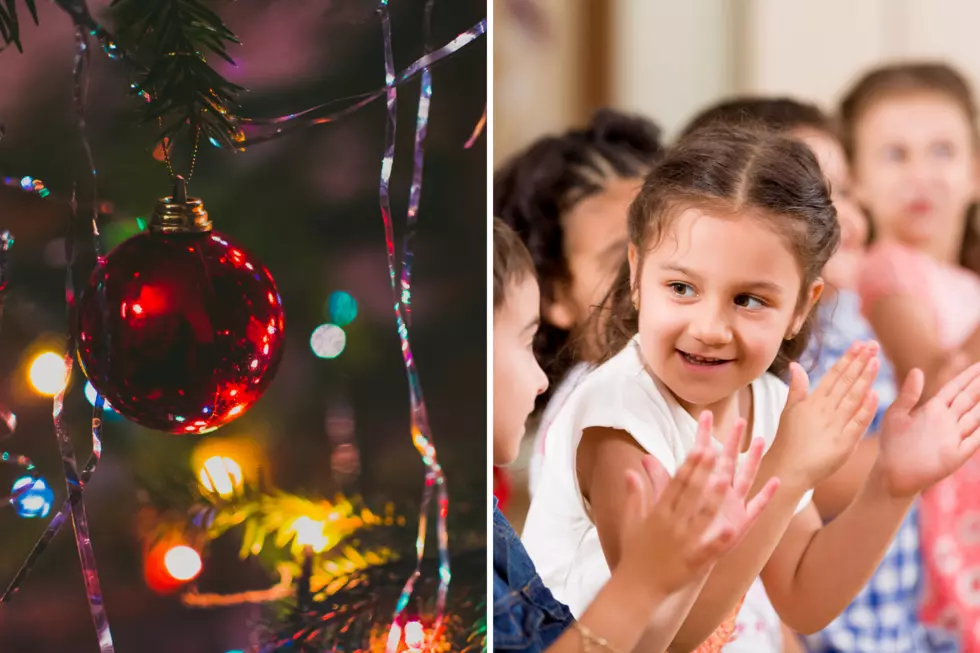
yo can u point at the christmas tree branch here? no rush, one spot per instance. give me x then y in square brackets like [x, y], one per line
[9, 24]
[170, 37]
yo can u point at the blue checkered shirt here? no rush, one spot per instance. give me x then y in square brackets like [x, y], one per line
[884, 616]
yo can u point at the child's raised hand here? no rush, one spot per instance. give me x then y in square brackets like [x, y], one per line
[920, 446]
[673, 539]
[818, 430]
[735, 513]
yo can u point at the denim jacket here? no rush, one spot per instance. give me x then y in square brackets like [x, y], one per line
[526, 617]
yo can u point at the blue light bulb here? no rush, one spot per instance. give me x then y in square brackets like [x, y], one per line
[35, 502]
[342, 308]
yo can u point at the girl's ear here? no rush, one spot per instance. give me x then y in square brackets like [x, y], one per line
[633, 256]
[813, 296]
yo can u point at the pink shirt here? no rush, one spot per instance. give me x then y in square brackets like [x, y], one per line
[950, 510]
[952, 293]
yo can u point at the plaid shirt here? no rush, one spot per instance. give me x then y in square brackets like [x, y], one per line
[884, 616]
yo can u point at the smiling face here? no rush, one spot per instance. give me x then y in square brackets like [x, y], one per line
[916, 170]
[717, 297]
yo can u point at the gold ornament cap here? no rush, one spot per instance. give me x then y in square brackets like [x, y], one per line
[179, 214]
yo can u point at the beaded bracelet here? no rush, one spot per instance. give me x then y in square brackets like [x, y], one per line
[589, 638]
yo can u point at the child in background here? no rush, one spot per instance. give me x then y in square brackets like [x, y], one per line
[910, 133]
[566, 196]
[728, 237]
[669, 545]
[884, 615]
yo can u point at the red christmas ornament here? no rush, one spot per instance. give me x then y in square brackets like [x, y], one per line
[191, 333]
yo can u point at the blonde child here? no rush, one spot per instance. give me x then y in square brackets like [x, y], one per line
[910, 132]
[728, 237]
[669, 544]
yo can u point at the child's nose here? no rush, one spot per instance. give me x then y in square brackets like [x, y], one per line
[710, 326]
[542, 380]
[923, 169]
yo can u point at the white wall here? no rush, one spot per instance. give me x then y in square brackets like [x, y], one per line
[535, 77]
[673, 57]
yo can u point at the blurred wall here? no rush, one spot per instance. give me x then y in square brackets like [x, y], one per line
[668, 59]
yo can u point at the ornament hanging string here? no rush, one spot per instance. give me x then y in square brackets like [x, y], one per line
[257, 130]
[83, 538]
[421, 434]
[415, 191]
[74, 505]
[477, 130]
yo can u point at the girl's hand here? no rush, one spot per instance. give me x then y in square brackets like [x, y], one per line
[672, 540]
[920, 446]
[818, 431]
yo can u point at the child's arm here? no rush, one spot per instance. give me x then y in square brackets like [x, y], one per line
[671, 613]
[892, 286]
[906, 328]
[837, 492]
[815, 572]
[603, 454]
[822, 430]
[669, 545]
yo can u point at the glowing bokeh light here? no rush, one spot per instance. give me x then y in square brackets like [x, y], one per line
[47, 373]
[328, 341]
[414, 636]
[183, 563]
[342, 308]
[91, 394]
[309, 532]
[35, 502]
[221, 475]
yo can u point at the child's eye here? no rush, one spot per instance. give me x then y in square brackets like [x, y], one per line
[746, 301]
[681, 289]
[943, 150]
[894, 153]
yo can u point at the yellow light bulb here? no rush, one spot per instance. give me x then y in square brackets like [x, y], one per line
[47, 373]
[221, 475]
[309, 532]
[182, 562]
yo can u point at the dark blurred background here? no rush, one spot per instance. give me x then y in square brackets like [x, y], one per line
[307, 206]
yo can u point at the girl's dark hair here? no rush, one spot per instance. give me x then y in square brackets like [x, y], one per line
[909, 79]
[535, 189]
[511, 261]
[779, 114]
[733, 171]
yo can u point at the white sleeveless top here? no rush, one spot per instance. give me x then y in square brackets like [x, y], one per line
[562, 392]
[559, 534]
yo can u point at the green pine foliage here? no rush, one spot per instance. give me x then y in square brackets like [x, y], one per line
[168, 41]
[170, 38]
[9, 23]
